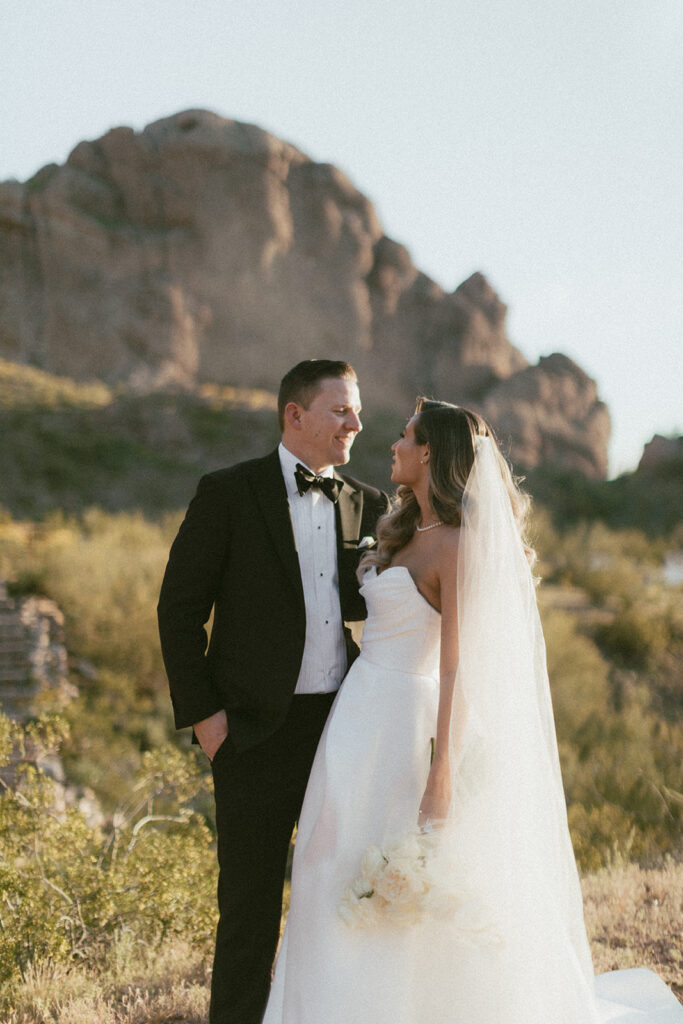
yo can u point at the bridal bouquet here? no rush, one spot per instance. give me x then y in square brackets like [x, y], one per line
[397, 885]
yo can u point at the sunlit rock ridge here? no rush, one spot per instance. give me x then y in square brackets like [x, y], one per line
[205, 250]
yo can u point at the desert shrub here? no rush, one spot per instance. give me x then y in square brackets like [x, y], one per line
[72, 446]
[600, 834]
[28, 387]
[621, 761]
[104, 570]
[69, 890]
[606, 563]
[15, 559]
[111, 723]
[618, 578]
[646, 500]
[623, 784]
[635, 636]
[578, 674]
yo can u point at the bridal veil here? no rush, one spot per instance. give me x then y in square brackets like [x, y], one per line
[506, 836]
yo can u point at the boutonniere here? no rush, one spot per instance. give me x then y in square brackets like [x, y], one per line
[365, 543]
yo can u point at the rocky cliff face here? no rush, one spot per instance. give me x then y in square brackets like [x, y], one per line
[661, 451]
[553, 415]
[203, 250]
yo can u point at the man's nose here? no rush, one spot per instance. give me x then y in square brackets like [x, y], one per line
[353, 422]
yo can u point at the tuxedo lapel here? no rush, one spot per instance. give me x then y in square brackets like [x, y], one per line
[350, 506]
[271, 494]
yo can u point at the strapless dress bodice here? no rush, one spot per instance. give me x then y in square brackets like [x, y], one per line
[402, 631]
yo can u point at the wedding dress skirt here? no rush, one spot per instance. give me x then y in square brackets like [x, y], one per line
[365, 788]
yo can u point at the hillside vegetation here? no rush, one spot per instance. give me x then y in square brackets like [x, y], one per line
[71, 446]
[93, 485]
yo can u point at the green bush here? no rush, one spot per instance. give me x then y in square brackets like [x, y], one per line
[111, 724]
[647, 500]
[635, 636]
[104, 570]
[601, 835]
[621, 760]
[578, 674]
[612, 657]
[69, 890]
[607, 563]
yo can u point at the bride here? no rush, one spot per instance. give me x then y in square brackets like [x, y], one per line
[439, 764]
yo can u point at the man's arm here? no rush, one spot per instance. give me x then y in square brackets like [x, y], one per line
[195, 566]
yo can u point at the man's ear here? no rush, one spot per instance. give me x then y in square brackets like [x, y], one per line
[292, 415]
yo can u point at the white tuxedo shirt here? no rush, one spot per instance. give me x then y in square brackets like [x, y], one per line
[313, 520]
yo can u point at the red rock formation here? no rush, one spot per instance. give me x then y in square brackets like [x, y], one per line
[551, 413]
[661, 450]
[202, 249]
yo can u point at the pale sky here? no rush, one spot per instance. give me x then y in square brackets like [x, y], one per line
[538, 141]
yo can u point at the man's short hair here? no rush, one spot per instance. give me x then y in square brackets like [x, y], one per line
[302, 383]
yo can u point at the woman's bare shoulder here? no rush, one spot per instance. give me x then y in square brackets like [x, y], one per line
[447, 556]
[449, 537]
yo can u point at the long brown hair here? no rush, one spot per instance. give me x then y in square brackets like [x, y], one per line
[449, 430]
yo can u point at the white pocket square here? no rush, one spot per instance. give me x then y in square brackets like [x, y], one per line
[365, 543]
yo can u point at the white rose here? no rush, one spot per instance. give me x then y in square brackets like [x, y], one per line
[440, 904]
[362, 887]
[367, 911]
[410, 847]
[372, 864]
[347, 907]
[403, 913]
[400, 882]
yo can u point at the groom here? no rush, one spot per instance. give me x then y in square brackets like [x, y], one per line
[272, 547]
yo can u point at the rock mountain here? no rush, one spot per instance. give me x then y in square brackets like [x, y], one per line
[206, 250]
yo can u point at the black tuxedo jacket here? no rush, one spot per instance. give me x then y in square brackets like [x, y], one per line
[235, 553]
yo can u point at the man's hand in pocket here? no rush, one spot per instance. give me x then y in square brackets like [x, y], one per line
[211, 732]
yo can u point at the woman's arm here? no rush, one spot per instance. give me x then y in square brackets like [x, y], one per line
[437, 796]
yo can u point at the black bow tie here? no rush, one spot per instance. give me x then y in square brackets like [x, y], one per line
[327, 484]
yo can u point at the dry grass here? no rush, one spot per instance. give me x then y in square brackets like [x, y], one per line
[135, 988]
[634, 918]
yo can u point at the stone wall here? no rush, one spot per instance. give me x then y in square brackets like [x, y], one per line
[33, 658]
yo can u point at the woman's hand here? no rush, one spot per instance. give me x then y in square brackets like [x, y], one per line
[437, 797]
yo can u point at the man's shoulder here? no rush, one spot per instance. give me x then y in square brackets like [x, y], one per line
[229, 475]
[372, 493]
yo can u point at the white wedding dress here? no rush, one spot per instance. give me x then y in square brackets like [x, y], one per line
[365, 788]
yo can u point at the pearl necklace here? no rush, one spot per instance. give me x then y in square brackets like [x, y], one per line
[432, 526]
